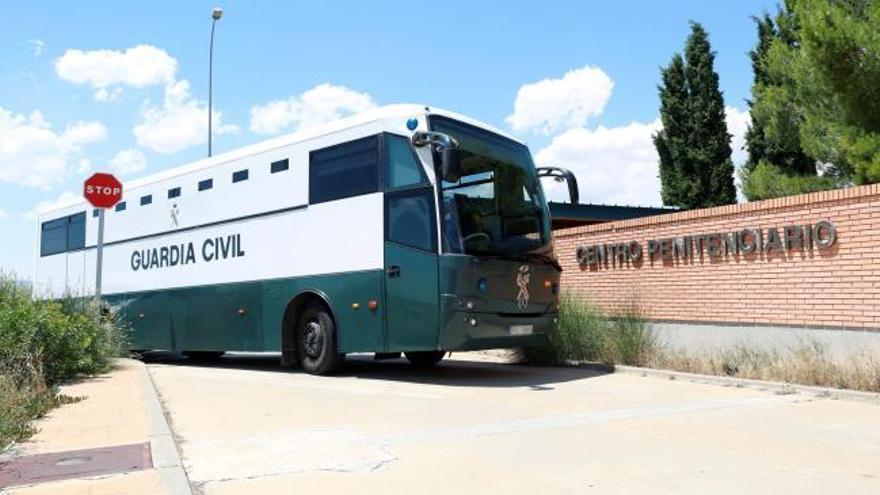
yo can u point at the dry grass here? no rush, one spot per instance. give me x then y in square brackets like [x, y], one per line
[24, 396]
[584, 333]
[806, 364]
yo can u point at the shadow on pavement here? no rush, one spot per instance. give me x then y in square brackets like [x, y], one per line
[450, 372]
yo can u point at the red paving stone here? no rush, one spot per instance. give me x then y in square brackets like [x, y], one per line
[75, 464]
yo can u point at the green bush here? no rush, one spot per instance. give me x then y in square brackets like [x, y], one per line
[584, 333]
[68, 338]
[630, 340]
[42, 344]
[577, 336]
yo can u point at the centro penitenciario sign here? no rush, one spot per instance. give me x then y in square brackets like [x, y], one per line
[748, 241]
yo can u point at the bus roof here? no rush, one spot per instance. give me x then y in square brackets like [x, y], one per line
[381, 113]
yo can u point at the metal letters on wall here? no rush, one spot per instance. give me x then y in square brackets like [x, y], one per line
[820, 235]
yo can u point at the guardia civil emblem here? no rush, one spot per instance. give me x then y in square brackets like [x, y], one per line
[175, 211]
[522, 281]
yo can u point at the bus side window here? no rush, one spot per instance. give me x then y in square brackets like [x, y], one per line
[402, 166]
[62, 235]
[76, 232]
[410, 219]
[53, 239]
[344, 170]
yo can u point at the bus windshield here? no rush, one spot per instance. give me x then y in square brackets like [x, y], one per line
[497, 206]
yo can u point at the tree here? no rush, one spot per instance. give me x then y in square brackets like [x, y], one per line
[766, 181]
[774, 133]
[773, 139]
[837, 73]
[694, 146]
[677, 177]
[755, 135]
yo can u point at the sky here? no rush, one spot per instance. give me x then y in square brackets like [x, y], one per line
[122, 86]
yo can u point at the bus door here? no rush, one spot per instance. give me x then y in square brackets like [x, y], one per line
[411, 280]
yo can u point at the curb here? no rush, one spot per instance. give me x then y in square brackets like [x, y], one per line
[777, 387]
[166, 458]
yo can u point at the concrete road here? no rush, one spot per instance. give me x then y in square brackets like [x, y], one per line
[244, 425]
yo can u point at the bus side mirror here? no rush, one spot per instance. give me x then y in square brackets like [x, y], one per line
[447, 147]
[560, 174]
[450, 164]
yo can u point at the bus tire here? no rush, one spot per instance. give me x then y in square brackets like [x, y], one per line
[316, 340]
[424, 359]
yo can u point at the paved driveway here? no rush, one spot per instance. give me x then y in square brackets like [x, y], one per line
[244, 425]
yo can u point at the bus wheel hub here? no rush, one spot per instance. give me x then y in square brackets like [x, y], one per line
[314, 339]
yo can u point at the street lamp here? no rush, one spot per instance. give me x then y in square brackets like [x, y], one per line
[215, 16]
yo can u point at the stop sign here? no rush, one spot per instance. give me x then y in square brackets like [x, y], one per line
[102, 190]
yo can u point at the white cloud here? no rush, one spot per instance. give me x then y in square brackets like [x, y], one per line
[619, 165]
[85, 133]
[38, 45]
[179, 123]
[616, 165]
[105, 94]
[737, 124]
[84, 167]
[139, 66]
[128, 162]
[3, 214]
[323, 103]
[32, 154]
[65, 198]
[551, 105]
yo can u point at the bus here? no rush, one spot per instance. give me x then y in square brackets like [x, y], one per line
[403, 230]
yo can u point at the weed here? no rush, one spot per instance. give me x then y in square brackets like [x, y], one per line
[42, 344]
[583, 333]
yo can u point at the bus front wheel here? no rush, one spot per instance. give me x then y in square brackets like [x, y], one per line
[316, 340]
[424, 358]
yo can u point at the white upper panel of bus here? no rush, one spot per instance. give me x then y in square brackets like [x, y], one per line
[387, 118]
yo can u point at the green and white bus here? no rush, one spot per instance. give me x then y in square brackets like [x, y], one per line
[405, 229]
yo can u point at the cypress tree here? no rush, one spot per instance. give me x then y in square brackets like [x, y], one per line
[696, 170]
[677, 179]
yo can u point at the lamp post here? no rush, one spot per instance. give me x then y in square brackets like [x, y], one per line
[215, 16]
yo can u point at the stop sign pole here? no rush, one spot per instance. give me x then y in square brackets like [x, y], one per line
[102, 191]
[99, 254]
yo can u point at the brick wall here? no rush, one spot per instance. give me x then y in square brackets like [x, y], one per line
[837, 287]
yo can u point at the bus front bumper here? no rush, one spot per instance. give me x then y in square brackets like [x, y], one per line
[469, 331]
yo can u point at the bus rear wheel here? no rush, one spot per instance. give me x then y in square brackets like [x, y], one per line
[424, 359]
[316, 341]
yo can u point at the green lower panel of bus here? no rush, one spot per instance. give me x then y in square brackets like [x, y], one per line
[248, 316]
